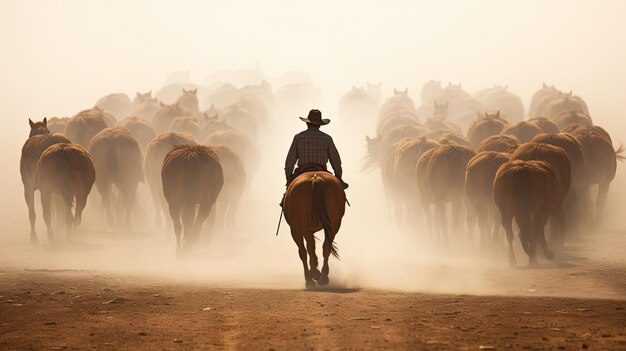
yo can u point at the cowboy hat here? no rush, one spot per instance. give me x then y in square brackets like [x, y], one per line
[315, 117]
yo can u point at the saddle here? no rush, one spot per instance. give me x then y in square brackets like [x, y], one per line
[307, 167]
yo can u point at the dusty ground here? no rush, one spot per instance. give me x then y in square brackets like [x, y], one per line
[57, 310]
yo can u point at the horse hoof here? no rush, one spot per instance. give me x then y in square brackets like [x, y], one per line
[316, 274]
[323, 280]
[549, 255]
[310, 284]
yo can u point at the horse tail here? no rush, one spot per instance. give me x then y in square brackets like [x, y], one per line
[320, 211]
[619, 153]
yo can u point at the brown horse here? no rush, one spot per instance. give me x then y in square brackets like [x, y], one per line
[479, 175]
[186, 124]
[315, 201]
[573, 150]
[165, 115]
[192, 178]
[240, 143]
[66, 170]
[37, 128]
[117, 159]
[529, 192]
[158, 148]
[560, 164]
[31, 152]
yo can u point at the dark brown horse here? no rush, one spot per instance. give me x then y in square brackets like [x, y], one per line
[39, 141]
[315, 201]
[192, 178]
[65, 170]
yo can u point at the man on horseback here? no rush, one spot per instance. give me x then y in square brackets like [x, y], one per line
[312, 149]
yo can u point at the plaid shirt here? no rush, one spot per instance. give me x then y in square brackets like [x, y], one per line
[313, 146]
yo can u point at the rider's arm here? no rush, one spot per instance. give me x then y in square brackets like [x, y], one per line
[335, 159]
[292, 158]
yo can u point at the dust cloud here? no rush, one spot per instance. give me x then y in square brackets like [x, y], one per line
[59, 57]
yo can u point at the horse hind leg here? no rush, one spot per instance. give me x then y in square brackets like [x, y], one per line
[327, 250]
[310, 247]
[81, 202]
[299, 240]
[29, 196]
[507, 223]
[188, 240]
[178, 227]
[68, 201]
[46, 198]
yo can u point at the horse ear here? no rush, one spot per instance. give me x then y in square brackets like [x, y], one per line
[406, 91]
[32, 124]
[544, 84]
[498, 114]
[45, 122]
[195, 90]
[395, 91]
[367, 137]
[506, 87]
[150, 93]
[184, 91]
[162, 104]
[138, 95]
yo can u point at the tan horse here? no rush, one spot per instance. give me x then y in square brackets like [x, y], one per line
[545, 124]
[66, 170]
[445, 174]
[118, 104]
[57, 124]
[315, 201]
[165, 115]
[570, 117]
[84, 125]
[238, 141]
[31, 152]
[600, 166]
[189, 100]
[529, 192]
[484, 127]
[186, 124]
[117, 159]
[234, 186]
[140, 128]
[156, 151]
[524, 131]
[192, 178]
[499, 143]
[479, 175]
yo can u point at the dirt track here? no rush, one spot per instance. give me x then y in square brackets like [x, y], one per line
[84, 310]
